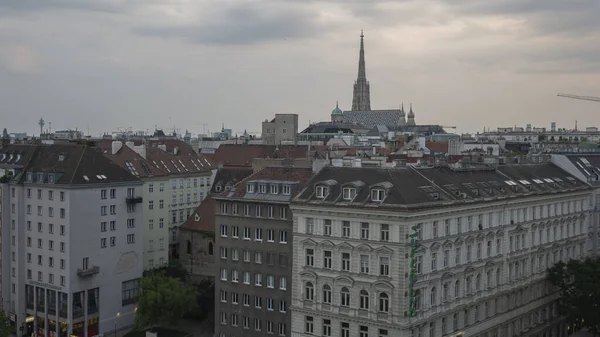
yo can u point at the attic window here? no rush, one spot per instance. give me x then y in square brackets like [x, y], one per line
[218, 188]
[61, 157]
[87, 180]
[51, 178]
[250, 188]
[349, 193]
[537, 181]
[262, 188]
[377, 194]
[274, 189]
[475, 191]
[40, 177]
[286, 189]
[435, 195]
[322, 191]
[29, 176]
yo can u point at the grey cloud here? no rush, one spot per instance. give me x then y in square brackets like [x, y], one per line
[48, 5]
[242, 25]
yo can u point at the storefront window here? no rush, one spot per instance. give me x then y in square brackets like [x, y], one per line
[41, 299]
[77, 305]
[41, 332]
[63, 305]
[93, 300]
[51, 302]
[29, 297]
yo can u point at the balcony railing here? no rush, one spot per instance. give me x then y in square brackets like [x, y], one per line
[133, 200]
[88, 272]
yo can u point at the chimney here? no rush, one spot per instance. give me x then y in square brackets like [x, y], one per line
[116, 146]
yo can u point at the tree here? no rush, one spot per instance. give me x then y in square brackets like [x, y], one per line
[163, 300]
[5, 135]
[6, 328]
[579, 288]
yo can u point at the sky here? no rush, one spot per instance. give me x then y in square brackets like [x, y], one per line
[196, 65]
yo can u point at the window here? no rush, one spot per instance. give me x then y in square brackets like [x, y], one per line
[270, 281]
[286, 189]
[258, 257]
[309, 226]
[257, 324]
[345, 297]
[130, 238]
[435, 229]
[346, 229]
[327, 259]
[326, 294]
[258, 280]
[419, 264]
[433, 261]
[322, 191]
[224, 253]
[270, 235]
[384, 302]
[234, 276]
[103, 243]
[363, 331]
[377, 194]
[283, 212]
[364, 264]
[327, 227]
[112, 241]
[274, 189]
[113, 209]
[103, 210]
[282, 283]
[246, 255]
[258, 234]
[446, 258]
[309, 291]
[433, 296]
[384, 266]
[129, 291]
[246, 233]
[270, 211]
[223, 274]
[130, 223]
[345, 329]
[310, 257]
[385, 232]
[346, 261]
[327, 328]
[364, 300]
[349, 193]
[282, 306]
[364, 231]
[246, 276]
[308, 325]
[282, 236]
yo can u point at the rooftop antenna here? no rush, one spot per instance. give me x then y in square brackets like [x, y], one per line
[41, 123]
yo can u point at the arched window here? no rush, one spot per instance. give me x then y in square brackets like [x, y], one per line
[489, 278]
[210, 248]
[418, 299]
[468, 286]
[309, 291]
[364, 300]
[433, 296]
[457, 289]
[327, 294]
[498, 277]
[188, 247]
[384, 302]
[446, 291]
[345, 297]
[478, 282]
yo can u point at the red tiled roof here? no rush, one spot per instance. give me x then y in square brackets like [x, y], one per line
[203, 217]
[300, 174]
[242, 154]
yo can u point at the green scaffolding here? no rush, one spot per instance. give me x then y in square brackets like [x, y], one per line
[412, 307]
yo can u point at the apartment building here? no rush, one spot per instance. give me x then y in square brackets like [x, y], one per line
[72, 250]
[434, 252]
[174, 185]
[253, 228]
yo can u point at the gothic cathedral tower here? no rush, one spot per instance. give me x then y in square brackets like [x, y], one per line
[361, 99]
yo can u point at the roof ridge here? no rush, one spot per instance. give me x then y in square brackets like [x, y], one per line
[78, 163]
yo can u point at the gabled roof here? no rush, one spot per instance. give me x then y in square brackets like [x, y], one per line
[71, 164]
[171, 164]
[134, 163]
[241, 155]
[203, 217]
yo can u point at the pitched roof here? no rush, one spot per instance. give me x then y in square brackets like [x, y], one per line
[203, 217]
[134, 163]
[171, 164]
[413, 188]
[241, 155]
[171, 145]
[299, 175]
[228, 177]
[71, 164]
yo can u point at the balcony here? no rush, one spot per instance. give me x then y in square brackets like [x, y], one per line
[88, 272]
[133, 200]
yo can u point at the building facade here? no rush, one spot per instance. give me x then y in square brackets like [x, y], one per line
[74, 243]
[434, 252]
[283, 129]
[253, 229]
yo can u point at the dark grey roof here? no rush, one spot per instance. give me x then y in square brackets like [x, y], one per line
[68, 164]
[588, 165]
[16, 156]
[419, 129]
[373, 117]
[329, 127]
[415, 188]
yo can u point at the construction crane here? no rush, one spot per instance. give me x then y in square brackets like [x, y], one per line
[585, 98]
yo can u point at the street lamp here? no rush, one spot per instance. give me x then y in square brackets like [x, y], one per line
[118, 314]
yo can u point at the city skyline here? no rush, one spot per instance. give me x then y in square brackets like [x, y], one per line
[173, 63]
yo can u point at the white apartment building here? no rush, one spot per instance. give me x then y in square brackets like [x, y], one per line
[434, 252]
[72, 248]
[174, 185]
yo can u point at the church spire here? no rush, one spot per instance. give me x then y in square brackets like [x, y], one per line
[361, 100]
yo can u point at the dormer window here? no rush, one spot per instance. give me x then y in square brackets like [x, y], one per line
[349, 193]
[40, 177]
[377, 194]
[262, 188]
[51, 178]
[250, 188]
[29, 176]
[322, 191]
[218, 188]
[286, 189]
[274, 189]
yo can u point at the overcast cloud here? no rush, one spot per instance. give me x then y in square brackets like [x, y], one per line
[102, 64]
